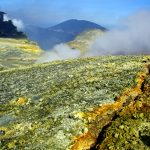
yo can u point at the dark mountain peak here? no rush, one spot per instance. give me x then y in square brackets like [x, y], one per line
[75, 26]
[71, 20]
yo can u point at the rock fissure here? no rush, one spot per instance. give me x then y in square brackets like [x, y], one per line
[54, 102]
[101, 118]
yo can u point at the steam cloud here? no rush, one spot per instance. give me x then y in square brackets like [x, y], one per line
[16, 22]
[132, 37]
[59, 52]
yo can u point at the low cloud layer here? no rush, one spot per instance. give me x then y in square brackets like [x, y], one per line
[16, 22]
[59, 52]
[132, 37]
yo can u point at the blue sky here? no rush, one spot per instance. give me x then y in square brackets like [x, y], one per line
[49, 12]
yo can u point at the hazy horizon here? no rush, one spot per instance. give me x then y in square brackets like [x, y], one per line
[48, 13]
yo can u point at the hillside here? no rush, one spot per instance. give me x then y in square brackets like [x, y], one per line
[77, 104]
[17, 53]
[61, 33]
[74, 26]
[82, 41]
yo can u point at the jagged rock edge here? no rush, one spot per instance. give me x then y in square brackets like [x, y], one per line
[106, 113]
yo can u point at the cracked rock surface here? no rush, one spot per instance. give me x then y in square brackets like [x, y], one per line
[43, 106]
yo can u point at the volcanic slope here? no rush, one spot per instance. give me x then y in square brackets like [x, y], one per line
[16, 53]
[55, 105]
[83, 41]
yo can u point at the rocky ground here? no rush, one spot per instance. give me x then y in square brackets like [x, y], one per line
[81, 104]
[130, 128]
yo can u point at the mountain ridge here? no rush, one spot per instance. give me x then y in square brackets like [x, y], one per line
[74, 23]
[60, 33]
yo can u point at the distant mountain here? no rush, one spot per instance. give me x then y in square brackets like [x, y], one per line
[61, 33]
[74, 26]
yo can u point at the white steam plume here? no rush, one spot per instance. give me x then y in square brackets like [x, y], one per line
[132, 37]
[16, 22]
[59, 52]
